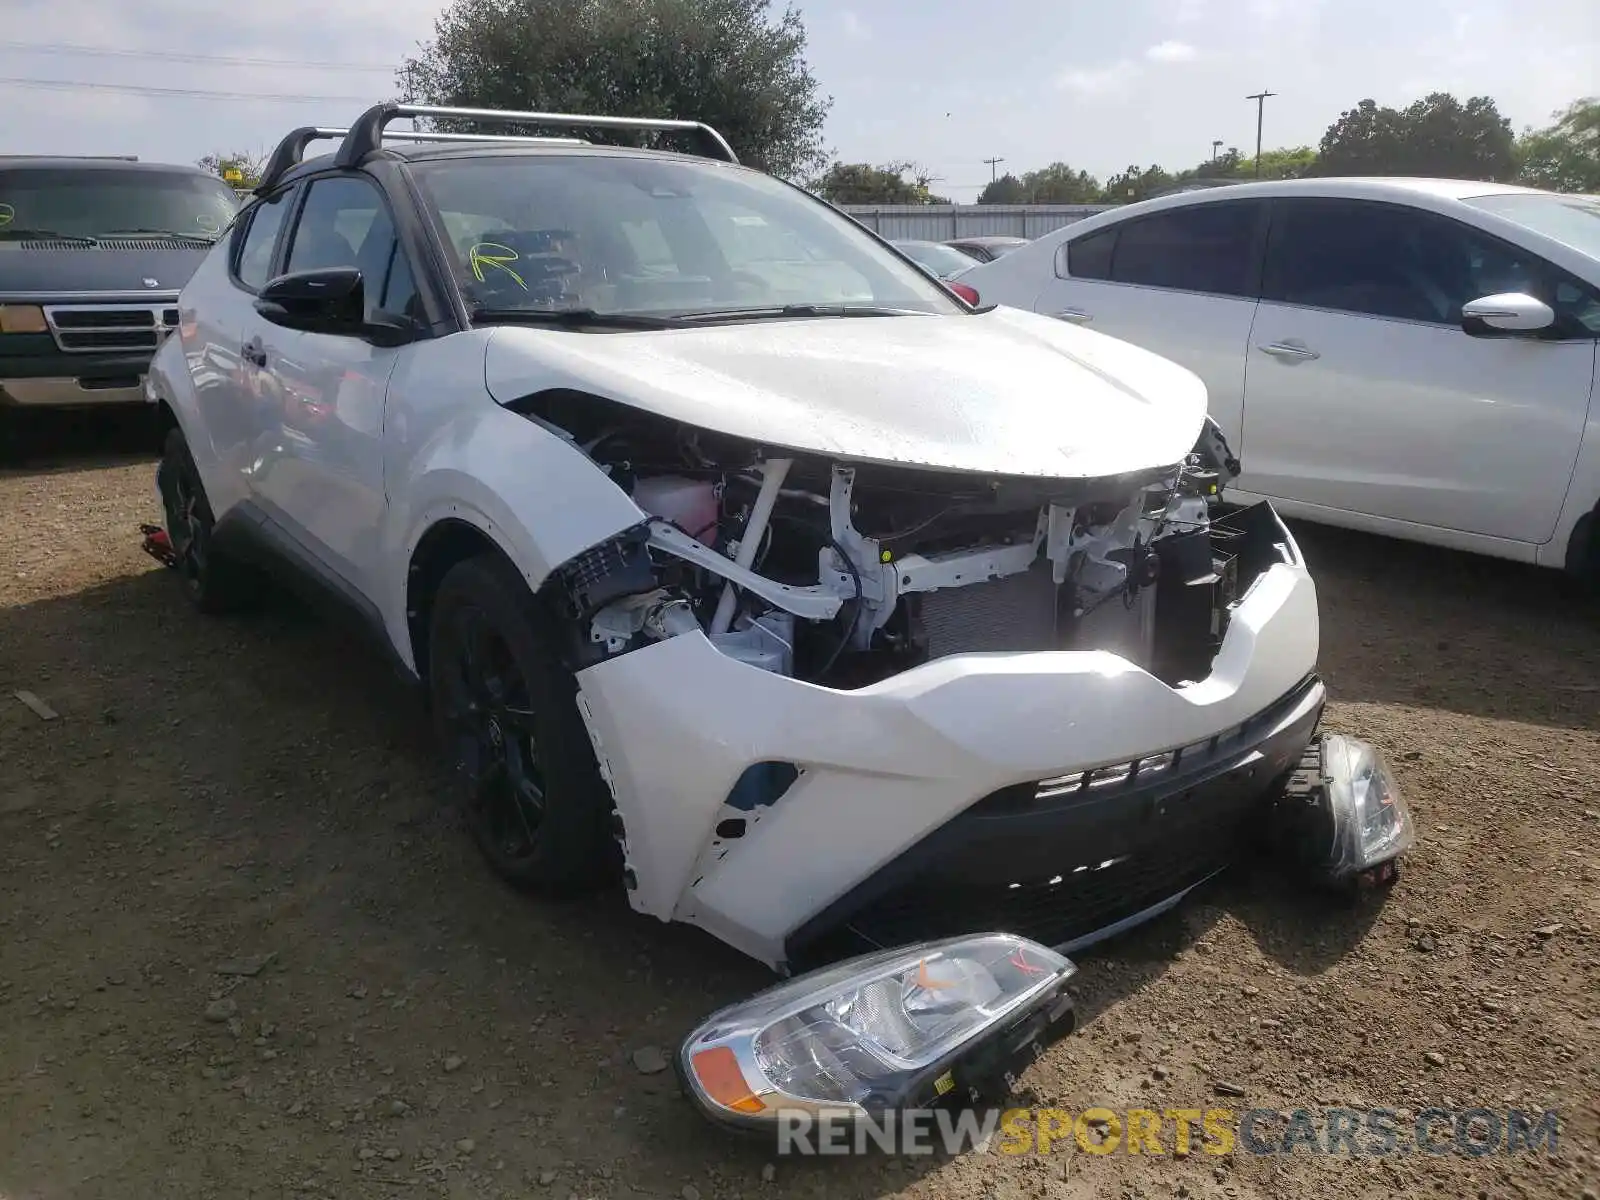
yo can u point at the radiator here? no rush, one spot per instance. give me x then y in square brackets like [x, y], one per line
[1014, 613]
[1018, 613]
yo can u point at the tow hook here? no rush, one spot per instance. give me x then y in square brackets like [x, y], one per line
[158, 545]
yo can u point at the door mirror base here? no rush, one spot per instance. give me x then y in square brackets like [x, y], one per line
[1506, 313]
[389, 330]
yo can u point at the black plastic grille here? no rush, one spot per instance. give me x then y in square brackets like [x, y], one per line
[104, 318]
[115, 244]
[1079, 899]
[1062, 859]
[109, 339]
[85, 328]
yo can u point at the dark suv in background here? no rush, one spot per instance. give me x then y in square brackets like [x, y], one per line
[93, 252]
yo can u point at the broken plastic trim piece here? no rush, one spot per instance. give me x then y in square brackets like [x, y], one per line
[607, 572]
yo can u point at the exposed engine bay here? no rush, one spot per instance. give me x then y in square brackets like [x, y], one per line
[843, 574]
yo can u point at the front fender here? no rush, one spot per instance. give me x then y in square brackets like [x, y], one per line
[530, 490]
[170, 380]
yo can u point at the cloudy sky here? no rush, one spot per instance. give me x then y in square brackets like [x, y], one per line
[945, 85]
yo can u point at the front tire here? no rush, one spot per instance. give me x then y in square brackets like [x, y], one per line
[213, 582]
[506, 714]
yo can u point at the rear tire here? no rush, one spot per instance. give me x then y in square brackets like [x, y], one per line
[213, 582]
[506, 714]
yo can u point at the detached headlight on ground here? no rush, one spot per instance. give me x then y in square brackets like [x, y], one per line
[1345, 811]
[906, 1028]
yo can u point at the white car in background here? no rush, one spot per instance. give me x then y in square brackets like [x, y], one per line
[1408, 357]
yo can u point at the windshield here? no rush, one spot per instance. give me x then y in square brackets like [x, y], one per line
[666, 237]
[93, 201]
[1574, 220]
[943, 260]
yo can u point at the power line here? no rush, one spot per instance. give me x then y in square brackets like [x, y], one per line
[178, 56]
[76, 85]
[993, 162]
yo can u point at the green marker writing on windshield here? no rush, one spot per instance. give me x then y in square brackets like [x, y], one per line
[478, 259]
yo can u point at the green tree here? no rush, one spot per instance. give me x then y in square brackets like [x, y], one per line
[1060, 184]
[728, 63]
[1565, 156]
[1435, 136]
[241, 170]
[1234, 167]
[1223, 166]
[1294, 163]
[1135, 184]
[863, 183]
[1007, 189]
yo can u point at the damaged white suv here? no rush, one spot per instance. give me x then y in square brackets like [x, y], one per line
[742, 560]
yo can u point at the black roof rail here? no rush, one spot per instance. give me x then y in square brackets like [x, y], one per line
[291, 151]
[367, 134]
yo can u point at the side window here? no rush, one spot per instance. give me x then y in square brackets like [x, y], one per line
[1578, 302]
[1088, 257]
[253, 258]
[1195, 248]
[345, 223]
[1386, 260]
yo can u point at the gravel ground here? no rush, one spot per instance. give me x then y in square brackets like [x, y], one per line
[244, 951]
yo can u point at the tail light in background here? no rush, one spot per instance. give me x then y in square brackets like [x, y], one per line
[967, 293]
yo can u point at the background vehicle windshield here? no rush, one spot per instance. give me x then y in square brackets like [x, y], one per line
[92, 201]
[624, 234]
[1574, 220]
[942, 260]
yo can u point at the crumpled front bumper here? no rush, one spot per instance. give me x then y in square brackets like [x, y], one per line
[676, 724]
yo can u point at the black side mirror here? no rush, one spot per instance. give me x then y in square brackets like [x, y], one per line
[329, 300]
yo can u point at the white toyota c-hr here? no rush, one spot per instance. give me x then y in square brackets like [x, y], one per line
[743, 561]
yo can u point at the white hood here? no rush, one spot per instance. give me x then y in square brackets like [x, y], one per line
[1007, 392]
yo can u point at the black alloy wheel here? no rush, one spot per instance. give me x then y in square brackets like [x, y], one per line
[505, 710]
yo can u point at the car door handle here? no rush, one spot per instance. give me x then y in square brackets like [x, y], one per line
[1289, 351]
[1076, 315]
[254, 352]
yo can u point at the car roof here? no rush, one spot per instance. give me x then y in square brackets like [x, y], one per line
[92, 163]
[1443, 189]
[985, 239]
[1437, 194]
[1353, 186]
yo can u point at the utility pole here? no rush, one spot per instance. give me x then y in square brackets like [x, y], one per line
[1261, 103]
[1216, 144]
[992, 163]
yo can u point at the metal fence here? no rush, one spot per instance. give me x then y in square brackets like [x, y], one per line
[941, 222]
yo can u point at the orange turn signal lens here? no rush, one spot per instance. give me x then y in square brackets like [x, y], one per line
[22, 318]
[718, 1073]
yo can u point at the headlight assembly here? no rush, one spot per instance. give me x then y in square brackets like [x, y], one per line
[898, 1029]
[1344, 814]
[1372, 824]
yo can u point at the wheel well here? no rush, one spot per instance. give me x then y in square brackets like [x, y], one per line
[1583, 547]
[447, 543]
[165, 421]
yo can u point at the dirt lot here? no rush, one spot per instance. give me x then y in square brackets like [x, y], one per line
[215, 791]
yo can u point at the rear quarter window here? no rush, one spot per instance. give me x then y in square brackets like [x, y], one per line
[1088, 257]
